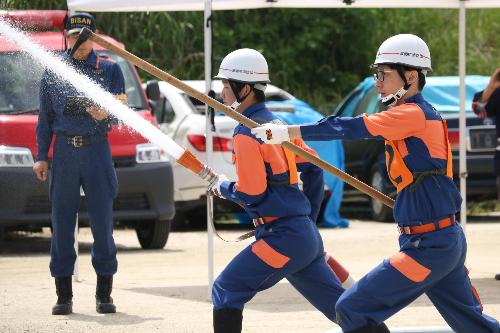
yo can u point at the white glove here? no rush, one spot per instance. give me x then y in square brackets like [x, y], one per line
[215, 185]
[271, 133]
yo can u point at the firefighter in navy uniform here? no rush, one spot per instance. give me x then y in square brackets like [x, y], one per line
[81, 158]
[418, 157]
[486, 103]
[288, 244]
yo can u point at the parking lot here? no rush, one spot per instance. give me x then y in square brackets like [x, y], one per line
[166, 290]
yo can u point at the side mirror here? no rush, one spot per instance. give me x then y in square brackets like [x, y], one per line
[153, 90]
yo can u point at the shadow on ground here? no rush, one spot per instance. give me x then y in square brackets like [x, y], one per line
[289, 300]
[30, 244]
[118, 318]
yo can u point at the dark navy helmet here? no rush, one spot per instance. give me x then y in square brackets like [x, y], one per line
[78, 21]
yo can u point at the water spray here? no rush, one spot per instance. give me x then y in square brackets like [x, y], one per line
[155, 71]
[107, 101]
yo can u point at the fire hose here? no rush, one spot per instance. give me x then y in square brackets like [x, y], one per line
[190, 161]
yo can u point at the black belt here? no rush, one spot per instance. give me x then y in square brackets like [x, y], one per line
[78, 141]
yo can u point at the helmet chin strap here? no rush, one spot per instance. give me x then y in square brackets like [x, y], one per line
[236, 104]
[392, 99]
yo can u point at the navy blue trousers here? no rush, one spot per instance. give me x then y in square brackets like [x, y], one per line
[91, 167]
[289, 248]
[430, 263]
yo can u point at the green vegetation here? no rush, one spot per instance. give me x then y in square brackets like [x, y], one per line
[481, 207]
[317, 54]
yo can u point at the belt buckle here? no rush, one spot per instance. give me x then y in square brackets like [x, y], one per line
[77, 141]
[400, 230]
[258, 221]
[404, 230]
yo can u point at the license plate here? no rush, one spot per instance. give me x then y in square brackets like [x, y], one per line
[482, 139]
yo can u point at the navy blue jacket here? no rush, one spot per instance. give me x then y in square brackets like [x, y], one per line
[265, 186]
[53, 93]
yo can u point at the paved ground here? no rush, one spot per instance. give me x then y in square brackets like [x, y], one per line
[166, 291]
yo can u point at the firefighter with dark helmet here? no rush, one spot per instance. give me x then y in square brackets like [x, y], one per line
[81, 159]
[288, 244]
[418, 157]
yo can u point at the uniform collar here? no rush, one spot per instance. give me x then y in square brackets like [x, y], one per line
[254, 108]
[417, 98]
[91, 60]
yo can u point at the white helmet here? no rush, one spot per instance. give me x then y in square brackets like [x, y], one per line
[246, 66]
[405, 49]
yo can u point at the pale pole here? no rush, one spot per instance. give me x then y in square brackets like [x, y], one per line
[462, 118]
[207, 26]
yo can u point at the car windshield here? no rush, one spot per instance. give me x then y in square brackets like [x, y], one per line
[20, 82]
[199, 106]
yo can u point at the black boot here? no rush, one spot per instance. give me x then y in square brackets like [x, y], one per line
[228, 320]
[64, 291]
[371, 329]
[497, 277]
[382, 328]
[104, 302]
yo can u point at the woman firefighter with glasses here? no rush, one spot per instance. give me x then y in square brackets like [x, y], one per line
[418, 158]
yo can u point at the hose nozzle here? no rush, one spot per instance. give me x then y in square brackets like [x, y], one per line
[191, 162]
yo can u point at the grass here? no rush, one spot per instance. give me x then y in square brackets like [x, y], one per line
[487, 206]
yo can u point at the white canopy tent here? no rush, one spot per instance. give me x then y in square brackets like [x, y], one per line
[209, 5]
[188, 5]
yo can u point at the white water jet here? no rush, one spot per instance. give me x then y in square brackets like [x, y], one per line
[88, 88]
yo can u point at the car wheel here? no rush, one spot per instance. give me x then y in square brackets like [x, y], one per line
[379, 211]
[153, 234]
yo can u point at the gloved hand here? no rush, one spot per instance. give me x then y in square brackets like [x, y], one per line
[479, 109]
[215, 185]
[272, 133]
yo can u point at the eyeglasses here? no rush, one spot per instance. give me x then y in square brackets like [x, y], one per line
[379, 75]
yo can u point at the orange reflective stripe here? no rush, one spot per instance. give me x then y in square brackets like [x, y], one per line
[249, 165]
[300, 143]
[474, 291]
[409, 267]
[280, 160]
[449, 159]
[274, 155]
[398, 172]
[269, 255]
[396, 123]
[292, 166]
[432, 137]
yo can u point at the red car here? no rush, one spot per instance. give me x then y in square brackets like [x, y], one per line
[145, 199]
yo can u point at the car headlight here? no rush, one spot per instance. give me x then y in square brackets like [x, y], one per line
[15, 157]
[150, 153]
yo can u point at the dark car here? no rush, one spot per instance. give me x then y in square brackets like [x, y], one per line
[365, 160]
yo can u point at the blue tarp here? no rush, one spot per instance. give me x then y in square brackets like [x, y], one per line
[330, 151]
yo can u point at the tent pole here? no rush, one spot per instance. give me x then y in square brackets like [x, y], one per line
[207, 26]
[462, 118]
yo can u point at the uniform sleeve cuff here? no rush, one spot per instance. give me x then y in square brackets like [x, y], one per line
[308, 131]
[225, 189]
[42, 157]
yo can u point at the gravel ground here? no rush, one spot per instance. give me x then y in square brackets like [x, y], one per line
[166, 290]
